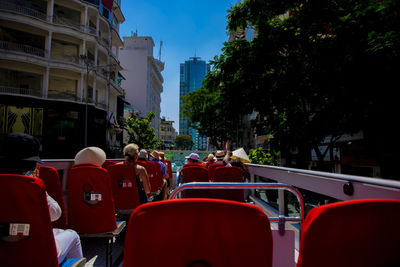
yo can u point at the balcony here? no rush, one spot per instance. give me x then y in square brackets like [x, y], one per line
[20, 91]
[22, 48]
[94, 2]
[62, 95]
[20, 9]
[68, 22]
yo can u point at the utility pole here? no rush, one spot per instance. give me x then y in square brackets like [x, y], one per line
[89, 67]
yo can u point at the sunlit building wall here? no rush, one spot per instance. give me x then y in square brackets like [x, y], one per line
[143, 79]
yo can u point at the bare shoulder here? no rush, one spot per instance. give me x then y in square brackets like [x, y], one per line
[140, 169]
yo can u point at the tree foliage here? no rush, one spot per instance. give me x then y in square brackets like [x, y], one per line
[183, 142]
[315, 69]
[140, 132]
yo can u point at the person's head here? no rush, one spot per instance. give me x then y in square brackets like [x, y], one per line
[19, 153]
[193, 158]
[131, 152]
[154, 155]
[162, 155]
[220, 154]
[90, 155]
[211, 158]
[143, 154]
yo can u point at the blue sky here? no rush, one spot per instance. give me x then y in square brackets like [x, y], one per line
[186, 28]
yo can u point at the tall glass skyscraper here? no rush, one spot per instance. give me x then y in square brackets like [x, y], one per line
[192, 74]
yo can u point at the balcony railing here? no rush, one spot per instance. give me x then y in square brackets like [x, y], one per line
[94, 2]
[62, 95]
[20, 91]
[68, 22]
[27, 49]
[13, 7]
[65, 58]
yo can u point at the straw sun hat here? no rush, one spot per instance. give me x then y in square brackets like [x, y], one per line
[90, 155]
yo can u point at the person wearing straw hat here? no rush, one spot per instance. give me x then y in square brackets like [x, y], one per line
[90, 155]
[155, 157]
[222, 158]
[19, 154]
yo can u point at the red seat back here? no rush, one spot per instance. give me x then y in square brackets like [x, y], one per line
[23, 200]
[217, 232]
[228, 174]
[211, 170]
[154, 172]
[357, 233]
[90, 200]
[51, 179]
[195, 174]
[108, 163]
[124, 186]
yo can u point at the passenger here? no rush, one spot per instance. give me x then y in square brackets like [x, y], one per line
[222, 159]
[90, 155]
[20, 155]
[192, 159]
[131, 156]
[163, 160]
[210, 160]
[143, 155]
[238, 163]
[162, 155]
[155, 157]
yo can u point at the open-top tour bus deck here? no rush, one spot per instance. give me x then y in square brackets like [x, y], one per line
[287, 228]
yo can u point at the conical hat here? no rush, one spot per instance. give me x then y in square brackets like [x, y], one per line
[90, 155]
[241, 155]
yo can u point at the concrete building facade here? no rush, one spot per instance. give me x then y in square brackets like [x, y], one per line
[143, 79]
[167, 133]
[58, 63]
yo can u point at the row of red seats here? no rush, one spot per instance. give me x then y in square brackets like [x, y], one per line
[207, 232]
[358, 233]
[198, 173]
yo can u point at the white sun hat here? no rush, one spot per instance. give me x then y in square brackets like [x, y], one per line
[241, 155]
[90, 155]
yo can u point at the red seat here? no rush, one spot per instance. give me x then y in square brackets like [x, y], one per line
[90, 200]
[356, 233]
[211, 170]
[154, 172]
[228, 174]
[194, 174]
[23, 201]
[108, 163]
[214, 232]
[124, 186]
[51, 179]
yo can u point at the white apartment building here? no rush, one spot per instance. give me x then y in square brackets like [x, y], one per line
[143, 79]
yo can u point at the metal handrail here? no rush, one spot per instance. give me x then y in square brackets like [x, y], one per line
[27, 49]
[9, 6]
[20, 91]
[266, 186]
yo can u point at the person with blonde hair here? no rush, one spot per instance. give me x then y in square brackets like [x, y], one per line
[131, 152]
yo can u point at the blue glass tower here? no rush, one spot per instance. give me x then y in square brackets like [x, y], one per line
[192, 74]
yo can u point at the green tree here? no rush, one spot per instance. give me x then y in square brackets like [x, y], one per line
[140, 132]
[183, 142]
[315, 69]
